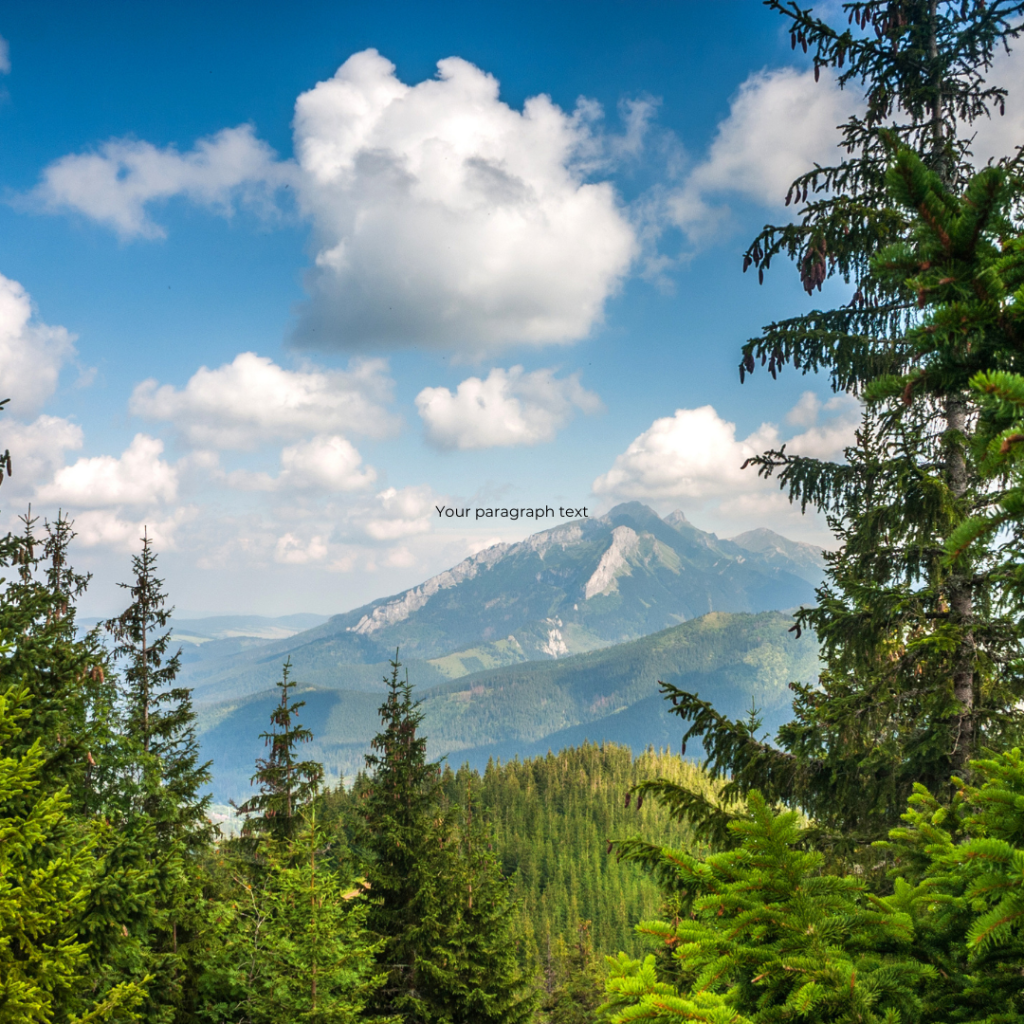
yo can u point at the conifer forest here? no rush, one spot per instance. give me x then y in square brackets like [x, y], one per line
[863, 863]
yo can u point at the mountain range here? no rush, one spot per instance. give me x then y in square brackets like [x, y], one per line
[525, 646]
[568, 590]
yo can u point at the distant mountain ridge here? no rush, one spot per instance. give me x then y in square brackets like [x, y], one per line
[575, 588]
[525, 709]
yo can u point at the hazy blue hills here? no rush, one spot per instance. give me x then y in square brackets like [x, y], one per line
[576, 588]
[608, 694]
[261, 627]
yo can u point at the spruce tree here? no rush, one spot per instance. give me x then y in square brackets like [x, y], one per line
[400, 839]
[916, 648]
[287, 785]
[158, 715]
[163, 824]
[440, 905]
[72, 695]
[767, 936]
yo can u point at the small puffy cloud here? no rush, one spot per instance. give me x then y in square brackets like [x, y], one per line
[291, 550]
[692, 454]
[5, 56]
[806, 410]
[444, 218]
[780, 124]
[31, 353]
[401, 513]
[107, 528]
[695, 454]
[323, 463]
[138, 477]
[117, 184]
[253, 400]
[509, 408]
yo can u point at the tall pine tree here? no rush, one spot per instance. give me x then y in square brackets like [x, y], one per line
[158, 715]
[163, 823]
[915, 648]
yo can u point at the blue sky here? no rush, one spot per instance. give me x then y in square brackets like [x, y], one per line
[276, 284]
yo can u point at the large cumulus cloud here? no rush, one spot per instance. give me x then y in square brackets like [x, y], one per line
[442, 217]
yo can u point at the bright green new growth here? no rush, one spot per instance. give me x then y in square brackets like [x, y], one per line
[765, 934]
[47, 875]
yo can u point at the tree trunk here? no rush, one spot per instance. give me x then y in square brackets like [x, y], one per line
[960, 603]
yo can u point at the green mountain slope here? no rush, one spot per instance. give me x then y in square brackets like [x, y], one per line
[606, 695]
[569, 590]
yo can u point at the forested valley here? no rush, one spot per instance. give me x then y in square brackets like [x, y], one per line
[864, 864]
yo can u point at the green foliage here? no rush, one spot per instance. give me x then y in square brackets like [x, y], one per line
[920, 649]
[762, 932]
[71, 697]
[47, 875]
[289, 941]
[440, 904]
[552, 818]
[572, 979]
[768, 936]
[924, 66]
[166, 778]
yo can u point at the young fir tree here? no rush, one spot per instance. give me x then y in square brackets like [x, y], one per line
[287, 785]
[72, 697]
[762, 934]
[916, 650]
[766, 936]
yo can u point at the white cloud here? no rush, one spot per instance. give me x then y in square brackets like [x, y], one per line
[253, 400]
[1000, 135]
[780, 124]
[291, 550]
[139, 477]
[323, 463]
[37, 449]
[695, 453]
[5, 56]
[442, 217]
[116, 184]
[402, 513]
[692, 454]
[509, 408]
[31, 353]
[108, 529]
